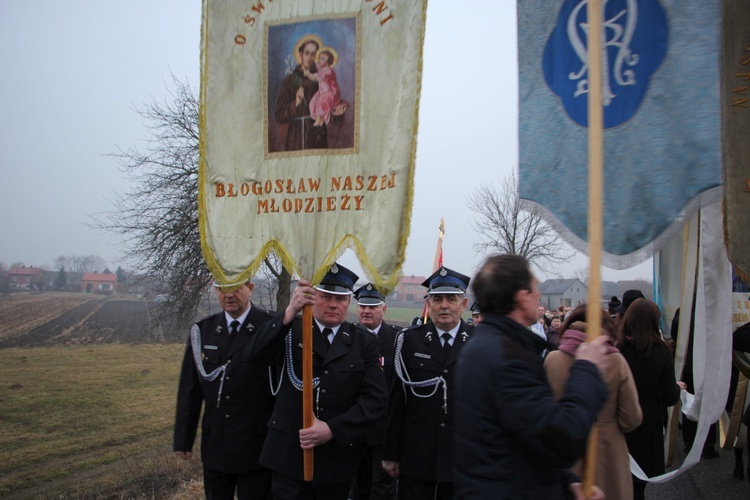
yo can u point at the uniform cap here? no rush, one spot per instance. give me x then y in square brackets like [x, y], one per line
[446, 281]
[338, 280]
[368, 295]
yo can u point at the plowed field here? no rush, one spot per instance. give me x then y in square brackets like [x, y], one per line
[68, 318]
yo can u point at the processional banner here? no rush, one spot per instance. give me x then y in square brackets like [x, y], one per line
[694, 274]
[662, 121]
[736, 116]
[308, 133]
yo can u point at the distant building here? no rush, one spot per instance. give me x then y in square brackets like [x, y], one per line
[410, 289]
[562, 292]
[26, 278]
[98, 282]
[646, 287]
[73, 280]
[611, 289]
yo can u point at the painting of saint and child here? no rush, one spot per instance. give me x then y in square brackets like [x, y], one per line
[311, 83]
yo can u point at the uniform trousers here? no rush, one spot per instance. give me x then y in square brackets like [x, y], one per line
[255, 485]
[410, 488]
[287, 488]
[371, 481]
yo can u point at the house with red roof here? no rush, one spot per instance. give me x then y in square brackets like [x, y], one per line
[410, 289]
[26, 277]
[98, 282]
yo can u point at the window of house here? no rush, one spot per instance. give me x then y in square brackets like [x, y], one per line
[408, 288]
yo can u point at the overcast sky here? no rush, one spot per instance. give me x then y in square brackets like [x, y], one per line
[71, 72]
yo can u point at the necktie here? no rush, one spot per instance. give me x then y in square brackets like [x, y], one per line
[446, 343]
[234, 327]
[327, 332]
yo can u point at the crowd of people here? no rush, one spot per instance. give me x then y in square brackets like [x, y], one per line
[499, 406]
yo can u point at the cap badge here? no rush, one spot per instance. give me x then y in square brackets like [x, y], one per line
[443, 272]
[369, 287]
[334, 269]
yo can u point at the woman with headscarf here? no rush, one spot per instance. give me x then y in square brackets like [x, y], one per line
[620, 414]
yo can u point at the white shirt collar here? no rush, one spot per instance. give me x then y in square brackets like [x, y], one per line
[321, 326]
[241, 319]
[452, 332]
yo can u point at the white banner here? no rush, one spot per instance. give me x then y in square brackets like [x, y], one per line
[308, 133]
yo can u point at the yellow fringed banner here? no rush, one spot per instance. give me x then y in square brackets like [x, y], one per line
[308, 124]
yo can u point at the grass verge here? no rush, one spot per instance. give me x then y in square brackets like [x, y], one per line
[71, 410]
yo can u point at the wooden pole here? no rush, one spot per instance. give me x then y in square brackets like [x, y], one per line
[596, 185]
[439, 249]
[307, 388]
[436, 263]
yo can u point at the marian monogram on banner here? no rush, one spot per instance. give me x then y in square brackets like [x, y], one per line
[662, 140]
[634, 45]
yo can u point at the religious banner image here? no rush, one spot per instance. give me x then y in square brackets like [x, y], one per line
[736, 125]
[312, 81]
[662, 138]
[308, 134]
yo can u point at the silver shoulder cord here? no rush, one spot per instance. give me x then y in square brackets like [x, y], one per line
[289, 364]
[195, 340]
[403, 375]
[275, 391]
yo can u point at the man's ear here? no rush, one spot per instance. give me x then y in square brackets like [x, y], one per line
[251, 286]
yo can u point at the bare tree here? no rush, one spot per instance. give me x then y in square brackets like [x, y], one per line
[273, 285]
[80, 263]
[4, 280]
[582, 275]
[157, 219]
[283, 281]
[507, 228]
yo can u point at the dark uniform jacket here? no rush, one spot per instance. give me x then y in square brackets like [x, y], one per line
[351, 396]
[386, 343]
[232, 433]
[419, 432]
[512, 440]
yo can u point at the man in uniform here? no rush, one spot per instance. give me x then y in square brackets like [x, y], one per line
[419, 428]
[236, 397]
[476, 313]
[512, 439]
[371, 481]
[349, 391]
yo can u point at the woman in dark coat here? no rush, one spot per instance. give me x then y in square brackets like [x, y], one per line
[652, 366]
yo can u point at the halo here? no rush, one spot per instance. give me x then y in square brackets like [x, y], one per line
[302, 41]
[333, 53]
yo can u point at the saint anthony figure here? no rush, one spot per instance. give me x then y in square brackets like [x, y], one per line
[296, 93]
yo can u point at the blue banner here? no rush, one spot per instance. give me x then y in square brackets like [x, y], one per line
[661, 102]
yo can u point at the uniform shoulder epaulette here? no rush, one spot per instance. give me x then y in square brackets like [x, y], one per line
[396, 327]
[361, 327]
[270, 314]
[410, 328]
[208, 318]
